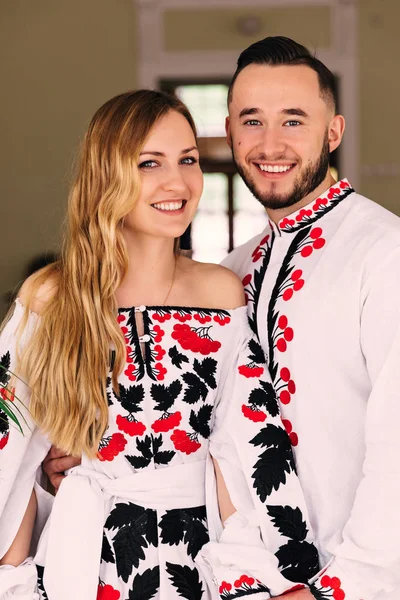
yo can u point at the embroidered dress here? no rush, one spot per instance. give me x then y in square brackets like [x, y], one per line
[323, 294]
[142, 520]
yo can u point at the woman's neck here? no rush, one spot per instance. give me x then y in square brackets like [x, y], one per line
[151, 271]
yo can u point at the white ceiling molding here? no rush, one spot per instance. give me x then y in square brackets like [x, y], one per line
[154, 63]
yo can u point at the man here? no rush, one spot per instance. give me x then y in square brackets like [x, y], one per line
[322, 283]
[322, 287]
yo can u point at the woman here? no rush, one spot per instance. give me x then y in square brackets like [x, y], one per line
[141, 361]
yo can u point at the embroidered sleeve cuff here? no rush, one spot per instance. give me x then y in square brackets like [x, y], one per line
[334, 584]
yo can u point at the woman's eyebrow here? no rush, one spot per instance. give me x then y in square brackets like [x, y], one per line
[155, 153]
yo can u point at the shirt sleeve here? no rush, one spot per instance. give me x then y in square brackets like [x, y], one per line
[22, 450]
[367, 561]
[266, 547]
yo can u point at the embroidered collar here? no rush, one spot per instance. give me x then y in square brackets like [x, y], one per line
[315, 209]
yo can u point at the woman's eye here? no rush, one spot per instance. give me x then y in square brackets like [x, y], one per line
[292, 123]
[252, 122]
[189, 160]
[148, 164]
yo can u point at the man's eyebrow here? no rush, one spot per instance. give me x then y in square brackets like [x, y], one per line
[295, 112]
[249, 111]
[155, 153]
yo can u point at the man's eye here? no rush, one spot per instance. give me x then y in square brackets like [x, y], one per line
[292, 123]
[252, 122]
[189, 160]
[148, 164]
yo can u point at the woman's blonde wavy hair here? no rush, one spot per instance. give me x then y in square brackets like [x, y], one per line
[67, 361]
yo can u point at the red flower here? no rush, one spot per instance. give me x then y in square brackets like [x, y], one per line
[161, 371]
[299, 284]
[344, 184]
[285, 374]
[161, 317]
[296, 274]
[254, 414]
[281, 345]
[124, 330]
[166, 423]
[291, 387]
[257, 256]
[222, 319]
[225, 587]
[129, 358]
[318, 244]
[111, 446]
[285, 397]
[121, 318]
[246, 280]
[195, 340]
[338, 594]
[130, 426]
[286, 223]
[202, 318]
[326, 581]
[130, 372]
[107, 592]
[160, 352]
[332, 192]
[3, 441]
[255, 251]
[159, 333]
[303, 214]
[306, 251]
[287, 294]
[244, 580]
[250, 371]
[335, 582]
[315, 233]
[182, 317]
[287, 425]
[288, 334]
[319, 203]
[282, 322]
[294, 440]
[183, 442]
[264, 240]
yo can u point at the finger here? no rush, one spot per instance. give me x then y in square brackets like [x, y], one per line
[56, 480]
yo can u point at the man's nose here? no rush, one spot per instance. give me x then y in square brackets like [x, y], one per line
[272, 146]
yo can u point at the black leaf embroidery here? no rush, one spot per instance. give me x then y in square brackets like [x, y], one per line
[298, 560]
[274, 462]
[196, 388]
[200, 421]
[177, 358]
[186, 581]
[206, 369]
[289, 521]
[165, 396]
[106, 551]
[187, 525]
[145, 586]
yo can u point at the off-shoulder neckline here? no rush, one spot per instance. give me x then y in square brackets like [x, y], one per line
[239, 309]
[182, 308]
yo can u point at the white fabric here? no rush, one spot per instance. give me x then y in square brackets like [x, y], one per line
[343, 355]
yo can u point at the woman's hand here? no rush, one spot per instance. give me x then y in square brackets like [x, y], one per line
[56, 463]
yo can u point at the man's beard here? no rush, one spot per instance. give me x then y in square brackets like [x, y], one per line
[305, 183]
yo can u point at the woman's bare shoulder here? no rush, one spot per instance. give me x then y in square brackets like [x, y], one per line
[216, 286]
[38, 290]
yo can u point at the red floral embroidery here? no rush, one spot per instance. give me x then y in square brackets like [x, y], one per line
[287, 223]
[259, 251]
[167, 422]
[283, 334]
[107, 592]
[316, 243]
[295, 284]
[250, 370]
[294, 440]
[4, 440]
[129, 425]
[330, 588]
[225, 588]
[157, 333]
[7, 393]
[196, 340]
[202, 318]
[287, 386]
[158, 353]
[222, 319]
[182, 316]
[244, 582]
[253, 413]
[131, 372]
[160, 371]
[161, 316]
[304, 214]
[185, 442]
[111, 446]
[121, 318]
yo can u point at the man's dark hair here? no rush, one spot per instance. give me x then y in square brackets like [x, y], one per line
[279, 50]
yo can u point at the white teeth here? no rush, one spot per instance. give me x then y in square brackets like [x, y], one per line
[169, 206]
[275, 168]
